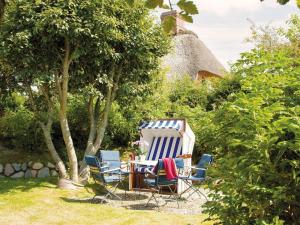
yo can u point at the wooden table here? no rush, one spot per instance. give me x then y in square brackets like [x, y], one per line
[144, 163]
[133, 164]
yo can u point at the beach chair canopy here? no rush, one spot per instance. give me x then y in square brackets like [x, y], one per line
[166, 138]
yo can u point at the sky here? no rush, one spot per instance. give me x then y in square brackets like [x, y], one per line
[223, 25]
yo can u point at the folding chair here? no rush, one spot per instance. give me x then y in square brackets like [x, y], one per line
[160, 181]
[112, 160]
[198, 177]
[105, 176]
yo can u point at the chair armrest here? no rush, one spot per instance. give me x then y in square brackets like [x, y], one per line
[149, 172]
[112, 170]
[195, 168]
[190, 170]
[103, 167]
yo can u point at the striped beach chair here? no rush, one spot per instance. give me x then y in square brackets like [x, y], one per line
[163, 147]
[165, 138]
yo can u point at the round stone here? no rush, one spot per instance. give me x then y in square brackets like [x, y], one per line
[24, 166]
[1, 168]
[16, 166]
[50, 165]
[27, 173]
[44, 172]
[54, 173]
[33, 173]
[18, 175]
[37, 166]
[8, 170]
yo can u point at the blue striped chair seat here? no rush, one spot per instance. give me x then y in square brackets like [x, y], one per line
[142, 169]
[162, 147]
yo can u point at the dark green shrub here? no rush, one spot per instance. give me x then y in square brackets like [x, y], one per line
[18, 129]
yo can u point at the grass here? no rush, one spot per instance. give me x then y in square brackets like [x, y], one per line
[38, 201]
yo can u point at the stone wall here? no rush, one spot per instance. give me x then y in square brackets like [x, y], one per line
[28, 170]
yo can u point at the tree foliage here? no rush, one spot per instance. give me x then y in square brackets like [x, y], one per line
[283, 2]
[258, 139]
[104, 51]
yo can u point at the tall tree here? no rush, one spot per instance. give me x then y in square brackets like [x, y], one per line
[60, 47]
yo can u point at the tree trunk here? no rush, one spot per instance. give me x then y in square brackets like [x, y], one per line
[94, 145]
[69, 146]
[47, 130]
[57, 160]
[109, 100]
[63, 97]
[2, 8]
[104, 122]
[97, 134]
[93, 123]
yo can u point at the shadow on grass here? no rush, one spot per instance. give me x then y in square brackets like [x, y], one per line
[102, 200]
[97, 196]
[142, 206]
[11, 185]
[132, 196]
[92, 200]
[98, 190]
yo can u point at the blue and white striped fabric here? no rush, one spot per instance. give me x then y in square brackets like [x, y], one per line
[142, 169]
[162, 124]
[163, 147]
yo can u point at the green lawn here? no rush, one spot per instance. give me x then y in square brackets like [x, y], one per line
[40, 202]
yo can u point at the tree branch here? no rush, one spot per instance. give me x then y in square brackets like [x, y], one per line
[50, 145]
[31, 98]
[45, 91]
[109, 100]
[65, 73]
[58, 84]
[92, 132]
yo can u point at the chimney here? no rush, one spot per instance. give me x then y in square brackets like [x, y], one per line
[179, 23]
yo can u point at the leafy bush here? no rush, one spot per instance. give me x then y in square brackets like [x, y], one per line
[258, 142]
[18, 129]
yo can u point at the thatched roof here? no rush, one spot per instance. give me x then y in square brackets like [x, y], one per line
[190, 56]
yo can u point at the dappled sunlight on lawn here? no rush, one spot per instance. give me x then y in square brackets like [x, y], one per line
[40, 202]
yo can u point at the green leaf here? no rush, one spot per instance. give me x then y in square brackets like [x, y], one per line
[165, 6]
[188, 7]
[169, 23]
[154, 3]
[187, 18]
[282, 2]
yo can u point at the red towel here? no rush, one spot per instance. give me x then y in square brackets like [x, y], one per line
[170, 168]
